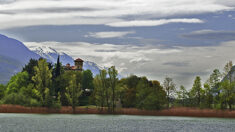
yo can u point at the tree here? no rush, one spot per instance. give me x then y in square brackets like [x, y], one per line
[169, 87]
[196, 90]
[29, 68]
[227, 68]
[99, 92]
[105, 85]
[150, 95]
[18, 81]
[57, 71]
[63, 82]
[182, 95]
[214, 79]
[87, 80]
[2, 89]
[113, 82]
[128, 93]
[228, 86]
[213, 84]
[227, 95]
[142, 92]
[73, 91]
[57, 68]
[158, 96]
[208, 96]
[42, 79]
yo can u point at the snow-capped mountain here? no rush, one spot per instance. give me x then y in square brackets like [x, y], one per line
[14, 55]
[93, 67]
[51, 55]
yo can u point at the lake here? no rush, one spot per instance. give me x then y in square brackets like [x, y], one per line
[111, 123]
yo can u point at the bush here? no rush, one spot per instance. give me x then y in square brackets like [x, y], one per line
[34, 103]
[56, 105]
[16, 99]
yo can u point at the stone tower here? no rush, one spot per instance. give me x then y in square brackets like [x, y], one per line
[78, 64]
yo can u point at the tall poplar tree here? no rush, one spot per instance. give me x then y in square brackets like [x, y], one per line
[113, 82]
[73, 91]
[42, 79]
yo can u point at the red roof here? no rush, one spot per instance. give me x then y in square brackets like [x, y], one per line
[73, 67]
[79, 60]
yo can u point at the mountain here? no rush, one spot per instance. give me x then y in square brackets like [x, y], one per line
[13, 56]
[15, 49]
[51, 55]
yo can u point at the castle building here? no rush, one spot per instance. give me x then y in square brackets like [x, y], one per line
[78, 65]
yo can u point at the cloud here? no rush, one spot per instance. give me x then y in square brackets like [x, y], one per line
[140, 60]
[6, 1]
[176, 64]
[20, 13]
[109, 34]
[181, 63]
[139, 23]
[211, 35]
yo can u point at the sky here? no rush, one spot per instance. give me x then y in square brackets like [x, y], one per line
[181, 39]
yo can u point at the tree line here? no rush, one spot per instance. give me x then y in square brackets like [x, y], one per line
[42, 84]
[218, 92]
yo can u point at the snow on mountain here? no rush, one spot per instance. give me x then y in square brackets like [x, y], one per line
[51, 55]
[92, 66]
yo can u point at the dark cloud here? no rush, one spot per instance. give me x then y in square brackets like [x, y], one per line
[48, 10]
[177, 64]
[188, 74]
[7, 12]
[211, 35]
[6, 1]
[106, 50]
[63, 10]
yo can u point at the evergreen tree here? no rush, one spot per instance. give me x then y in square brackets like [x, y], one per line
[57, 71]
[196, 90]
[29, 68]
[208, 96]
[57, 68]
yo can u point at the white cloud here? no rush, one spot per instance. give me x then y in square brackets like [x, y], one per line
[138, 23]
[110, 12]
[151, 61]
[109, 34]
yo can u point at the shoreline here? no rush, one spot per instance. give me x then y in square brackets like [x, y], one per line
[179, 111]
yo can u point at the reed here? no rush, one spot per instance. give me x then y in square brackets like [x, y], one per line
[178, 111]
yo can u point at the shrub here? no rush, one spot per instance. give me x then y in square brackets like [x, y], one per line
[16, 99]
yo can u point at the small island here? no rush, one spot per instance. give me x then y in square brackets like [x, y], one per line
[45, 88]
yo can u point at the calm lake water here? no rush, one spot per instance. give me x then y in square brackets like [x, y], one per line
[110, 123]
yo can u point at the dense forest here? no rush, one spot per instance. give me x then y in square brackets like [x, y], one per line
[42, 84]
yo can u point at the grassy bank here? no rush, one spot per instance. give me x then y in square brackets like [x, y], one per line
[190, 112]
